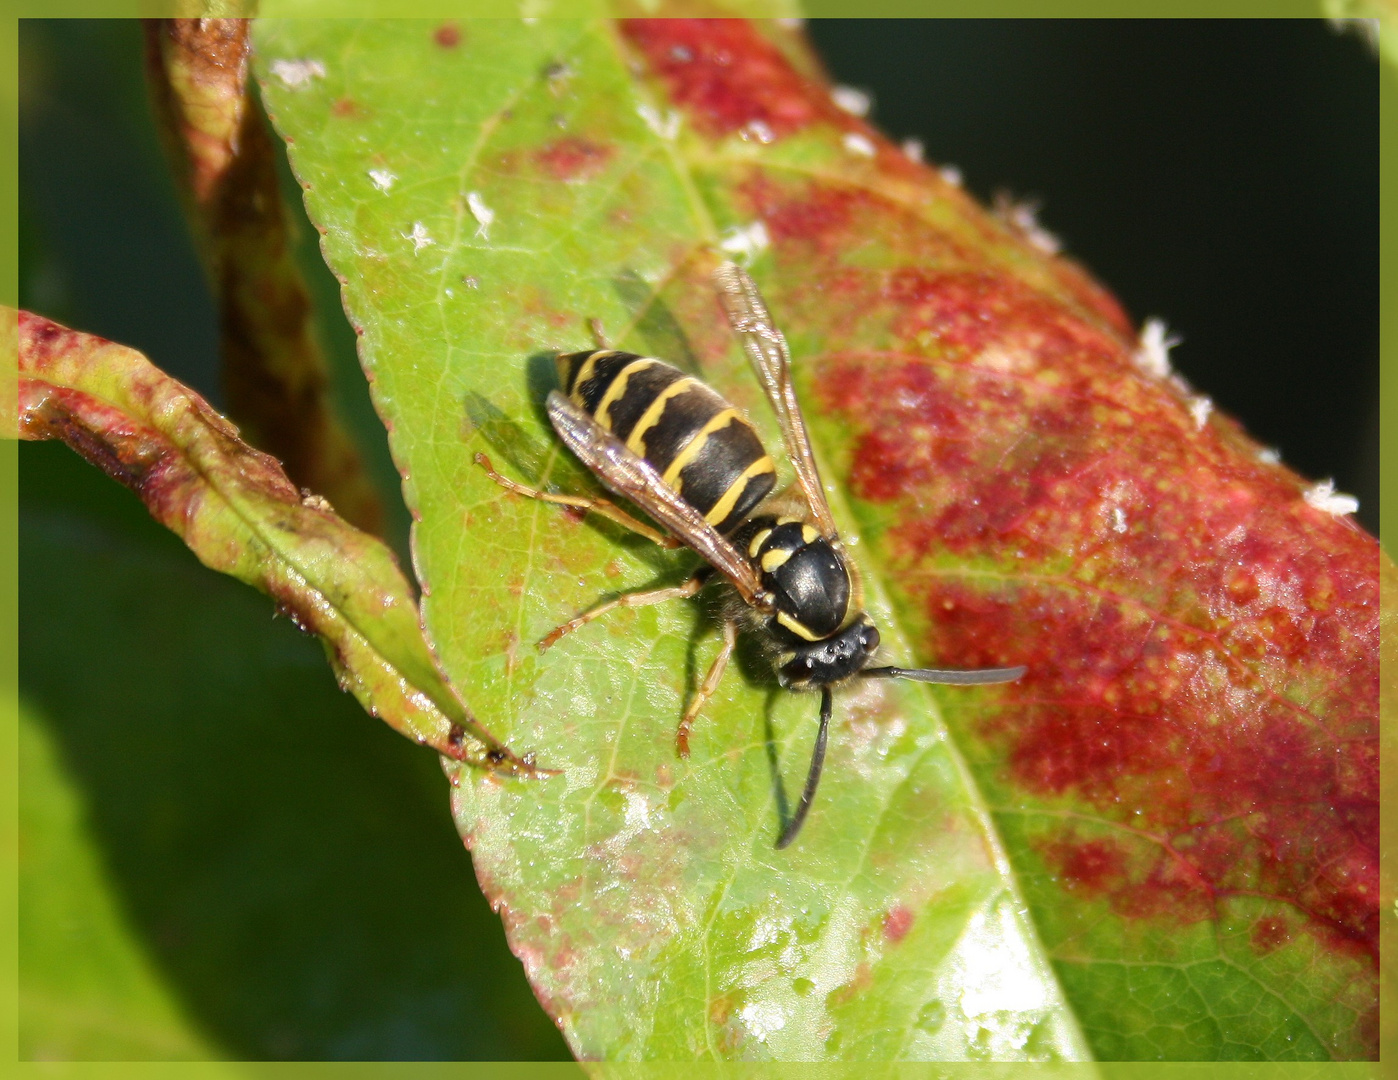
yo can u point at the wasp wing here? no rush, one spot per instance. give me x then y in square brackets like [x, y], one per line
[766, 349]
[633, 478]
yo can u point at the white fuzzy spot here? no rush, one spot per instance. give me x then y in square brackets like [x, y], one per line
[667, 126]
[763, 1018]
[483, 214]
[858, 144]
[295, 74]
[747, 241]
[1118, 519]
[758, 131]
[1269, 455]
[951, 174]
[852, 100]
[1152, 353]
[1323, 496]
[1199, 408]
[913, 149]
[1023, 217]
[382, 179]
[420, 237]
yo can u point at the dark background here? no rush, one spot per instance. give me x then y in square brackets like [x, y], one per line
[309, 897]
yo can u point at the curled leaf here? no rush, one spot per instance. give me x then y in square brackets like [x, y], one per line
[236, 510]
[273, 370]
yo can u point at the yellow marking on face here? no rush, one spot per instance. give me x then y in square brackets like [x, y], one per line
[775, 558]
[586, 372]
[695, 446]
[757, 542]
[635, 443]
[809, 534]
[795, 627]
[789, 521]
[724, 506]
[617, 388]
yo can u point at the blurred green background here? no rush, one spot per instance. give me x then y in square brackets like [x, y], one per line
[221, 854]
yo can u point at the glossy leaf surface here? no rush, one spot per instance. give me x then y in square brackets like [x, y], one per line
[1183, 790]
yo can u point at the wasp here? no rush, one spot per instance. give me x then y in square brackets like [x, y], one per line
[672, 446]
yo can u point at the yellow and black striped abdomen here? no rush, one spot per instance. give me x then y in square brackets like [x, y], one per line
[698, 442]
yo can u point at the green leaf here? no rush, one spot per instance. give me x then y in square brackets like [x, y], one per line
[643, 893]
[1156, 820]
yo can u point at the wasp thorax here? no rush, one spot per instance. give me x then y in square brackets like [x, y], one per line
[805, 575]
[819, 663]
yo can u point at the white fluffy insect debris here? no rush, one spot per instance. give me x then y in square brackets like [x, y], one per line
[294, 74]
[1152, 353]
[1323, 496]
[1269, 455]
[382, 179]
[1022, 215]
[852, 100]
[483, 214]
[666, 125]
[951, 174]
[758, 131]
[745, 241]
[420, 237]
[1118, 520]
[913, 150]
[859, 145]
[1199, 408]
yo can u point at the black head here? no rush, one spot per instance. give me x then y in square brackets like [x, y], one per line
[830, 660]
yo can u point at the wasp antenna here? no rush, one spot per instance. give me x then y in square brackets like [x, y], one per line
[949, 676]
[813, 776]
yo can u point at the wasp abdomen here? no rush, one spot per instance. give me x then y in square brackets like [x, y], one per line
[802, 570]
[700, 444]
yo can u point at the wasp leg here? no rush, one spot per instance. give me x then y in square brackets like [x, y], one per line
[606, 509]
[629, 600]
[707, 688]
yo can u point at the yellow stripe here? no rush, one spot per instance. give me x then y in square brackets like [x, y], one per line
[757, 542]
[724, 506]
[808, 534]
[774, 559]
[695, 446]
[617, 388]
[585, 373]
[795, 627]
[651, 416]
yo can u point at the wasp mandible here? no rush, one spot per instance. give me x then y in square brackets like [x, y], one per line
[672, 446]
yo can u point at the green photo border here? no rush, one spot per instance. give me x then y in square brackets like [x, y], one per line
[9, 567]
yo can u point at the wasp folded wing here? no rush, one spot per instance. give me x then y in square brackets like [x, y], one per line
[771, 359]
[631, 477]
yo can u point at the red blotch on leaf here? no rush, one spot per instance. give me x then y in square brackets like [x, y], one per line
[1270, 933]
[573, 158]
[728, 77]
[1201, 643]
[448, 35]
[896, 924]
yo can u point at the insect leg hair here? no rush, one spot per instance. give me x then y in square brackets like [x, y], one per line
[708, 688]
[813, 776]
[629, 600]
[603, 507]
